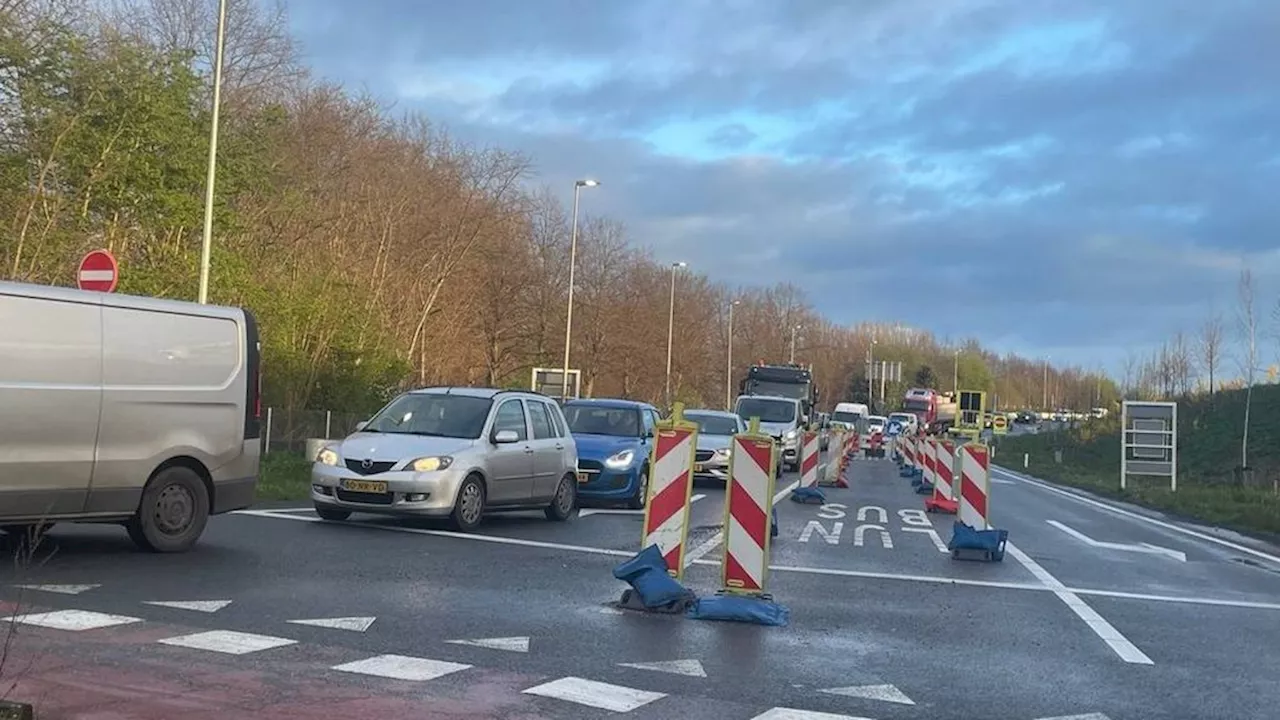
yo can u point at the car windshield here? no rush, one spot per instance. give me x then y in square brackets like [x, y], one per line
[797, 390]
[901, 417]
[714, 424]
[916, 404]
[876, 420]
[771, 411]
[587, 419]
[433, 415]
[850, 418]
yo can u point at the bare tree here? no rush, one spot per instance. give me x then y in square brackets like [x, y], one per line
[1211, 347]
[1248, 320]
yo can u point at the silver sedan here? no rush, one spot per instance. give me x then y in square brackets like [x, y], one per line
[715, 438]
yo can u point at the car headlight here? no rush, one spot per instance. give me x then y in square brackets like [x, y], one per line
[327, 456]
[621, 459]
[791, 435]
[431, 464]
[724, 451]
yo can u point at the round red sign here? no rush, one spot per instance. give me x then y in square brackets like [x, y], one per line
[98, 271]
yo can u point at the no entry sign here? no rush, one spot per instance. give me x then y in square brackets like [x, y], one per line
[98, 271]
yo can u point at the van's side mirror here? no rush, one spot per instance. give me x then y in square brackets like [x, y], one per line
[505, 437]
[362, 425]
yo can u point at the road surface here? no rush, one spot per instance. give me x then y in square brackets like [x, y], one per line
[1096, 612]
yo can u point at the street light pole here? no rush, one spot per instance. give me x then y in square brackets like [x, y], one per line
[671, 324]
[206, 245]
[573, 261]
[728, 370]
[794, 330]
[1044, 402]
[955, 374]
[871, 360]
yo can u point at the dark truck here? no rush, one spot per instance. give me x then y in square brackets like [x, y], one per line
[783, 380]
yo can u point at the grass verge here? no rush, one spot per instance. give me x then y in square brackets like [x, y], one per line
[1209, 489]
[284, 476]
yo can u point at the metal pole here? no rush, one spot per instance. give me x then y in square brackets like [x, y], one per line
[728, 370]
[792, 357]
[870, 371]
[1044, 402]
[328, 423]
[884, 370]
[955, 375]
[568, 319]
[671, 326]
[206, 247]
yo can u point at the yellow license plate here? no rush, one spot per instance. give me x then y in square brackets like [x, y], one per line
[365, 486]
[698, 467]
[584, 477]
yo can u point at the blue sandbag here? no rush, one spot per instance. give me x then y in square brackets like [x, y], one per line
[647, 573]
[735, 608]
[965, 537]
[804, 495]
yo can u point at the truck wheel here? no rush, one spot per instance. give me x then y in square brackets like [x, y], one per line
[172, 513]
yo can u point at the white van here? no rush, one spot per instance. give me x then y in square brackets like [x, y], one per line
[779, 417]
[124, 409]
[850, 416]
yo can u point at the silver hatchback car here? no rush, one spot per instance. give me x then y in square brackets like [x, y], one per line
[452, 453]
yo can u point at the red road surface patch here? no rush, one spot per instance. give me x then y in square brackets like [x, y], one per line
[119, 673]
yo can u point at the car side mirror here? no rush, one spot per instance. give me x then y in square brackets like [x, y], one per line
[362, 425]
[505, 437]
[648, 432]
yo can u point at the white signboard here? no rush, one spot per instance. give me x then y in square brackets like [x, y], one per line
[550, 381]
[1149, 441]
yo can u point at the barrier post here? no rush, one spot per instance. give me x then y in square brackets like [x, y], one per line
[944, 490]
[808, 490]
[747, 510]
[908, 469]
[666, 508]
[928, 477]
[875, 446]
[972, 530]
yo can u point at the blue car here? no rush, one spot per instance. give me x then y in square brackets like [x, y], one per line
[613, 439]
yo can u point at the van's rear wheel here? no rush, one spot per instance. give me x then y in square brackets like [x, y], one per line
[173, 512]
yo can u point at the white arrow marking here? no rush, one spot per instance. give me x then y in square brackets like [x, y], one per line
[692, 668]
[885, 693]
[206, 606]
[60, 589]
[354, 624]
[510, 644]
[618, 511]
[1147, 548]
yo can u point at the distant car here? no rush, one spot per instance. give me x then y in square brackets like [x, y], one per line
[716, 429]
[455, 453]
[613, 438]
[910, 423]
[876, 424]
[1027, 417]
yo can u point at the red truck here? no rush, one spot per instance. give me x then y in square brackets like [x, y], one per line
[935, 411]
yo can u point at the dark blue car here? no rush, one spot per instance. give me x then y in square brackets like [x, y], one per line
[613, 439]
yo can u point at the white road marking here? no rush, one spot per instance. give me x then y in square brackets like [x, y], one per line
[73, 620]
[205, 606]
[586, 512]
[933, 535]
[781, 713]
[714, 541]
[60, 589]
[885, 693]
[1147, 548]
[228, 642]
[932, 579]
[1143, 518]
[691, 668]
[401, 667]
[354, 624]
[1086, 716]
[509, 644]
[998, 481]
[605, 696]
[1112, 637]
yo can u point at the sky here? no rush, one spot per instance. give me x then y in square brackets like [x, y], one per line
[1070, 179]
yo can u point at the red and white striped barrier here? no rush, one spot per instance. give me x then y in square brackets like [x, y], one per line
[666, 509]
[748, 512]
[927, 454]
[809, 459]
[909, 451]
[944, 491]
[975, 486]
[875, 445]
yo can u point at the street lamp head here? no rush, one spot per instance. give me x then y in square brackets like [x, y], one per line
[679, 264]
[734, 302]
[587, 183]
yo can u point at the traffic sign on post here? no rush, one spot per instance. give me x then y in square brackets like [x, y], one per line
[98, 271]
[1000, 424]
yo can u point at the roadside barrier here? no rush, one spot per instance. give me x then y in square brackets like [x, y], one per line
[910, 467]
[744, 570]
[808, 490]
[666, 509]
[944, 486]
[972, 536]
[875, 446]
[928, 463]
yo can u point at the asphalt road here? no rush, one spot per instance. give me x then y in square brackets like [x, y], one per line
[1121, 615]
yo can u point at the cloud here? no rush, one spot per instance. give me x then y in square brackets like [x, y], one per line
[1073, 178]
